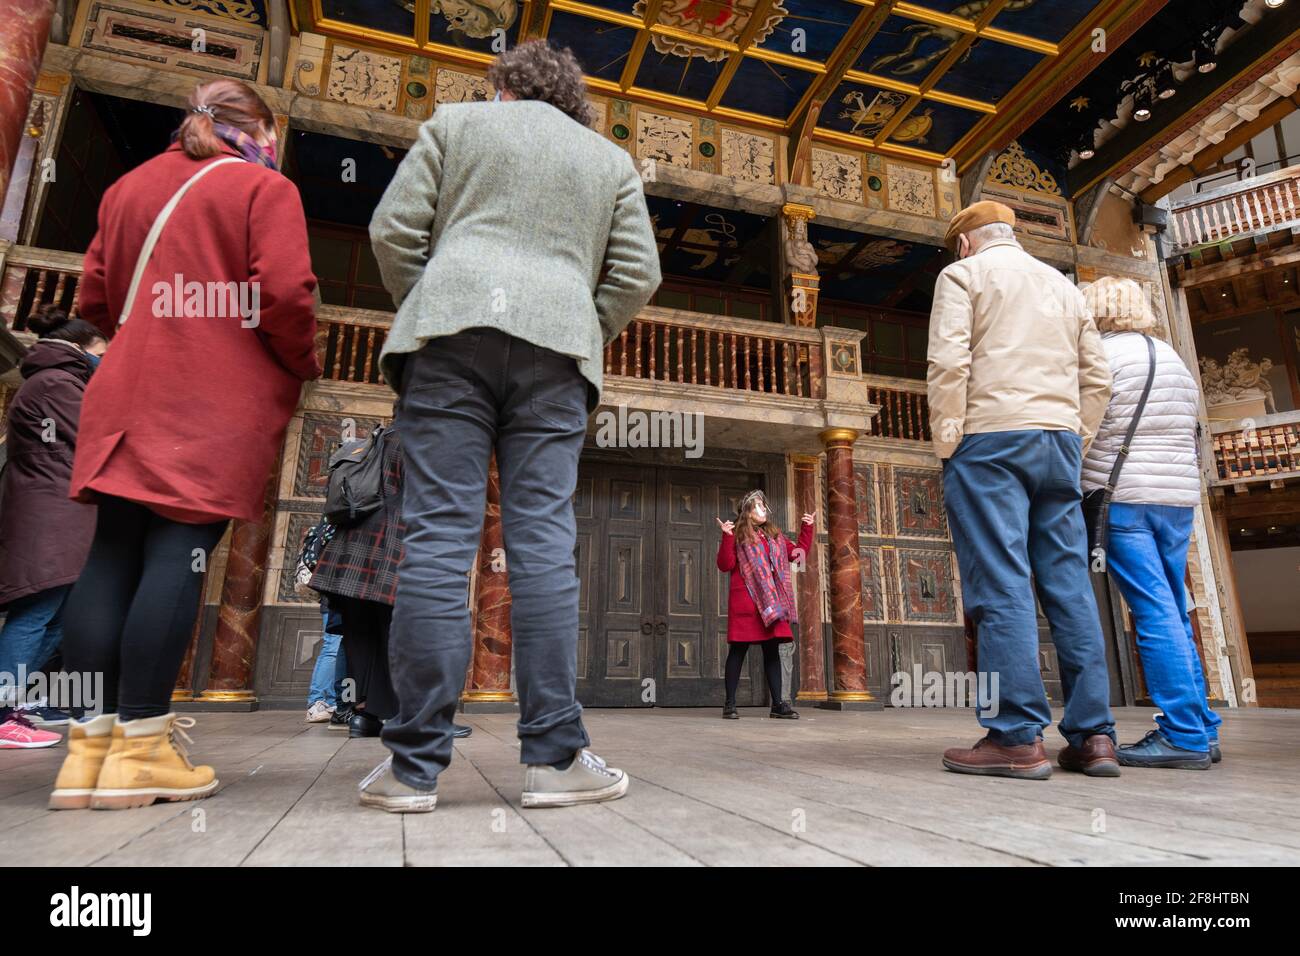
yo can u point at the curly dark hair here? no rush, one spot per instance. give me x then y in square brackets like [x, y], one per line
[538, 71]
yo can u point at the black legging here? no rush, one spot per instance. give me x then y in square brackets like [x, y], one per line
[131, 613]
[771, 667]
[365, 644]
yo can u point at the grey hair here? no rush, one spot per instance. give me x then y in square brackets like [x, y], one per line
[987, 233]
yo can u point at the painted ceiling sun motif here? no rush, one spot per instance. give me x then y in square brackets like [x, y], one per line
[715, 19]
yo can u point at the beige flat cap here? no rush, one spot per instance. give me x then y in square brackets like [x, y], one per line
[975, 215]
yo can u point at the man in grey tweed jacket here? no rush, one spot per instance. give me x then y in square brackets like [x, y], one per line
[516, 244]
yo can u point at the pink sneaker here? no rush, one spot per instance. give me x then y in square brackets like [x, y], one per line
[18, 733]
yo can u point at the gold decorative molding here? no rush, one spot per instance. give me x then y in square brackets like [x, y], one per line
[1014, 168]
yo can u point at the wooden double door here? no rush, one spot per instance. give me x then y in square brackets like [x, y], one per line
[653, 609]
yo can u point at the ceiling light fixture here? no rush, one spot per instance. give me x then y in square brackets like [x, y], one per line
[1086, 147]
[1273, 4]
[1205, 57]
[1164, 79]
[1143, 99]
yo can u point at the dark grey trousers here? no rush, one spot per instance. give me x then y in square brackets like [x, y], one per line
[462, 396]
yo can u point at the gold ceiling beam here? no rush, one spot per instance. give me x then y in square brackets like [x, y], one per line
[955, 53]
[534, 21]
[756, 19]
[912, 89]
[639, 45]
[856, 38]
[929, 157]
[421, 22]
[597, 13]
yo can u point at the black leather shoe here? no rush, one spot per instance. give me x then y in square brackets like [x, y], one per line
[461, 730]
[363, 724]
[729, 712]
[1155, 750]
[339, 719]
[783, 711]
[1215, 753]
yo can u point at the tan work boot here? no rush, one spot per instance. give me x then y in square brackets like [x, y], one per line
[88, 743]
[146, 763]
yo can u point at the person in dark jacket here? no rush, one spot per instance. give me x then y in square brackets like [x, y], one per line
[44, 536]
[357, 573]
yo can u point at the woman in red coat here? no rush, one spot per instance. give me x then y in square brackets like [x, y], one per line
[760, 600]
[181, 424]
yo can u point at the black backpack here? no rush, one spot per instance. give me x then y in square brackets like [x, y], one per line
[356, 483]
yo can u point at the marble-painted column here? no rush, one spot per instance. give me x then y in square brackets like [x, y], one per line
[489, 681]
[849, 684]
[234, 646]
[22, 47]
[812, 644]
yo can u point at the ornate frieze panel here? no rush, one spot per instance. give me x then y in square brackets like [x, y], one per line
[1037, 214]
[664, 138]
[176, 39]
[364, 78]
[911, 189]
[748, 157]
[837, 175]
[457, 86]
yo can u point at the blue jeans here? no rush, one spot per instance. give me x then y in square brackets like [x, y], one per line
[32, 632]
[464, 396]
[1147, 556]
[1013, 504]
[330, 670]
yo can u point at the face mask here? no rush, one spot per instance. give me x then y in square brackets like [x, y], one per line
[497, 98]
[93, 360]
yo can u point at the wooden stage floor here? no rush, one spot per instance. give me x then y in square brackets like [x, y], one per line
[837, 789]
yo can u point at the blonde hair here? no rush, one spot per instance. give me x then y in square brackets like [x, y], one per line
[1120, 305]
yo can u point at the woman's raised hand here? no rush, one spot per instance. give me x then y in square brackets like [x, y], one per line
[810, 518]
[726, 526]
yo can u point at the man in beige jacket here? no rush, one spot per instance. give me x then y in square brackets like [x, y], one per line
[1018, 384]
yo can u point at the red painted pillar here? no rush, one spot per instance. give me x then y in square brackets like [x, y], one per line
[812, 644]
[489, 681]
[22, 47]
[234, 647]
[848, 650]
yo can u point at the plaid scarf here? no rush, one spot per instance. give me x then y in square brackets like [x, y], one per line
[241, 143]
[766, 573]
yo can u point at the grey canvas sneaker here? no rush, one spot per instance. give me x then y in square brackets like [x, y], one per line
[383, 791]
[588, 780]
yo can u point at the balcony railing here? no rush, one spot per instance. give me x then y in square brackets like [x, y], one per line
[686, 348]
[1254, 205]
[904, 409]
[1267, 450]
[33, 277]
[348, 343]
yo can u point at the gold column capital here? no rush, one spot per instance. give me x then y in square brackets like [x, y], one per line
[835, 436]
[797, 210]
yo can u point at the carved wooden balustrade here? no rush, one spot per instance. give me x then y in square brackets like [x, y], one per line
[33, 277]
[688, 348]
[1258, 204]
[904, 409]
[1267, 449]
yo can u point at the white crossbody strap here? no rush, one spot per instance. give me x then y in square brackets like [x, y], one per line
[156, 229]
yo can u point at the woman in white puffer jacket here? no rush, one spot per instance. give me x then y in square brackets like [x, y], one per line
[1151, 521]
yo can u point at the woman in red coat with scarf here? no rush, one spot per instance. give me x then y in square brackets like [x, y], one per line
[760, 601]
[181, 424]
